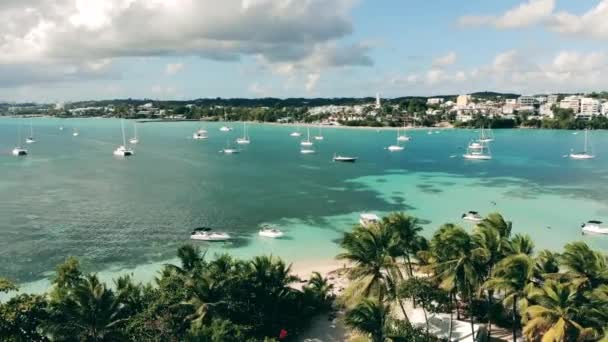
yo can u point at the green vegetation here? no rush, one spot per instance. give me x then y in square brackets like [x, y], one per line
[488, 276]
[220, 300]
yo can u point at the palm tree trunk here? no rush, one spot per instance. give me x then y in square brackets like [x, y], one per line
[515, 318]
[472, 317]
[407, 319]
[451, 317]
[490, 308]
[426, 320]
[409, 264]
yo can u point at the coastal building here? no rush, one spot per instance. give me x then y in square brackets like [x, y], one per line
[511, 102]
[526, 101]
[546, 111]
[434, 101]
[378, 103]
[571, 102]
[541, 99]
[508, 109]
[605, 109]
[589, 107]
[552, 99]
[463, 101]
[464, 116]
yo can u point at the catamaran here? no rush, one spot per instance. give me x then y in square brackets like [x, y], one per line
[403, 137]
[30, 139]
[19, 150]
[478, 150]
[486, 135]
[123, 150]
[245, 139]
[307, 142]
[134, 140]
[320, 136]
[585, 154]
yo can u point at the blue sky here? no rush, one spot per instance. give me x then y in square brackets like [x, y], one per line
[66, 50]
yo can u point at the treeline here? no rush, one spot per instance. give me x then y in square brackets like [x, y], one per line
[224, 299]
[488, 276]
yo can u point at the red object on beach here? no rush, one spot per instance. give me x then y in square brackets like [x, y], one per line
[283, 334]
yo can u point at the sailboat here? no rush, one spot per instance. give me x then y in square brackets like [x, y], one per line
[486, 135]
[30, 139]
[134, 140]
[306, 142]
[228, 149]
[201, 134]
[395, 148]
[75, 132]
[403, 137]
[478, 150]
[245, 139]
[320, 136]
[585, 153]
[19, 151]
[123, 150]
[296, 133]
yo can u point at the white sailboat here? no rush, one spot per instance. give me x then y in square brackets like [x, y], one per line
[307, 142]
[585, 154]
[75, 132]
[134, 140]
[123, 150]
[403, 137]
[320, 136]
[225, 129]
[229, 149]
[486, 135]
[245, 139]
[478, 150]
[296, 133]
[201, 134]
[19, 150]
[30, 139]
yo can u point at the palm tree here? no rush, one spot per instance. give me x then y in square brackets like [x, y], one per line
[547, 262]
[513, 276]
[406, 231]
[585, 267]
[371, 318]
[497, 222]
[90, 312]
[459, 263]
[554, 314]
[520, 244]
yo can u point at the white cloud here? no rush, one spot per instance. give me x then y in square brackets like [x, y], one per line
[259, 90]
[173, 68]
[526, 14]
[593, 23]
[312, 80]
[446, 60]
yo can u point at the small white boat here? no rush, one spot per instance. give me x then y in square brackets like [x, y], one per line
[75, 133]
[244, 140]
[61, 128]
[429, 132]
[295, 134]
[307, 151]
[320, 136]
[594, 227]
[230, 151]
[395, 148]
[344, 159]
[478, 150]
[135, 139]
[123, 150]
[225, 129]
[206, 234]
[30, 139]
[270, 232]
[307, 142]
[368, 219]
[403, 137]
[472, 216]
[19, 151]
[201, 134]
[585, 154]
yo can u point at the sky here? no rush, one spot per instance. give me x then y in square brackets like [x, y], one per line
[69, 50]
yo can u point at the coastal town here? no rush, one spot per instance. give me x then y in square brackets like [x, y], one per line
[452, 110]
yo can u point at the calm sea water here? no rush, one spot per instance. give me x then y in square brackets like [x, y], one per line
[70, 196]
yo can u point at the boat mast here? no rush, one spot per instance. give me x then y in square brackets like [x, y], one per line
[122, 127]
[586, 131]
[31, 129]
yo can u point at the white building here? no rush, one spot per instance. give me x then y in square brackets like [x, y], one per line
[541, 99]
[434, 101]
[526, 101]
[546, 111]
[464, 116]
[463, 101]
[552, 99]
[571, 102]
[511, 102]
[590, 106]
[605, 109]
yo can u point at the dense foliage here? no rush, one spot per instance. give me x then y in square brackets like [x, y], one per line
[220, 300]
[488, 275]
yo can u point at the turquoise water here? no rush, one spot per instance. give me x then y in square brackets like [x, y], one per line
[70, 196]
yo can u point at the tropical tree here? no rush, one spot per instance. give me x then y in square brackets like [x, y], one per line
[406, 232]
[555, 314]
[371, 318]
[585, 267]
[513, 277]
[520, 244]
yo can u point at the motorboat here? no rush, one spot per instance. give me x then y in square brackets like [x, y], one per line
[123, 150]
[207, 234]
[395, 148]
[472, 216]
[585, 154]
[344, 159]
[270, 231]
[594, 227]
[225, 129]
[201, 134]
[19, 151]
[368, 219]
